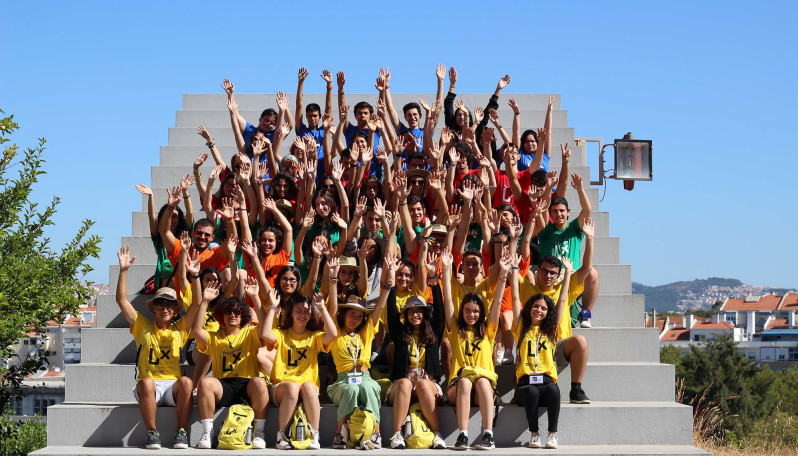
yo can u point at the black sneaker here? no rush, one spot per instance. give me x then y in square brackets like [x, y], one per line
[486, 443]
[338, 442]
[578, 396]
[181, 439]
[462, 442]
[153, 440]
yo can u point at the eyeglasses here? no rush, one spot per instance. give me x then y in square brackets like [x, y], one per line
[288, 280]
[203, 235]
[235, 312]
[549, 272]
[164, 305]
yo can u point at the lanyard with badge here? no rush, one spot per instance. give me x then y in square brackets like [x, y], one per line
[538, 378]
[354, 377]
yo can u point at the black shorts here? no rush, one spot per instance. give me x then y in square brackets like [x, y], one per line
[234, 391]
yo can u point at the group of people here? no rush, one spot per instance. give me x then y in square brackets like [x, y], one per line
[373, 242]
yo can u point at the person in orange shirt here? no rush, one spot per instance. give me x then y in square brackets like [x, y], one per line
[275, 242]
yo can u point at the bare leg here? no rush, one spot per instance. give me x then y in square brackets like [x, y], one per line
[183, 400]
[310, 400]
[485, 400]
[400, 398]
[146, 391]
[591, 291]
[576, 353]
[426, 392]
[460, 395]
[202, 363]
[506, 323]
[209, 393]
[286, 395]
[258, 393]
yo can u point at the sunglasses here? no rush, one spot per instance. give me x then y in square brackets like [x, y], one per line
[235, 312]
[417, 182]
[164, 305]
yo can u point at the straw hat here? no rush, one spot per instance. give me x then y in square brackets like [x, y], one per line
[164, 293]
[355, 302]
[348, 263]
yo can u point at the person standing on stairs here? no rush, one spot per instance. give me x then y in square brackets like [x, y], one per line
[158, 343]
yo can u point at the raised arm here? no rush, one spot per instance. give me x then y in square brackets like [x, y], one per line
[204, 297]
[327, 76]
[440, 74]
[164, 229]
[341, 80]
[229, 89]
[496, 304]
[562, 300]
[576, 183]
[317, 249]
[587, 260]
[547, 125]
[384, 84]
[562, 185]
[198, 175]
[265, 331]
[125, 262]
[211, 145]
[232, 106]
[330, 330]
[448, 304]
[516, 122]
[303, 73]
[516, 300]
[494, 119]
[144, 190]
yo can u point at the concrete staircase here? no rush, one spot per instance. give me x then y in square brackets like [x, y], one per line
[632, 411]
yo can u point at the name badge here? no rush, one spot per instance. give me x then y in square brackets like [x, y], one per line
[536, 379]
[354, 378]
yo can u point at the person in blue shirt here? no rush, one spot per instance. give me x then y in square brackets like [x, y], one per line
[313, 114]
[411, 111]
[363, 112]
[266, 123]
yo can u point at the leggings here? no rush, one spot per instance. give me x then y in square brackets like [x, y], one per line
[533, 396]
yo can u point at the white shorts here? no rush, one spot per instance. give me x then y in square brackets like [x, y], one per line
[273, 396]
[163, 393]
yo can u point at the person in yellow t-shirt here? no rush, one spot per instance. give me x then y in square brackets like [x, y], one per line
[471, 334]
[233, 350]
[536, 328]
[571, 349]
[158, 345]
[295, 374]
[351, 350]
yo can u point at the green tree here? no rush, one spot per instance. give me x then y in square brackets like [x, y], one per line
[37, 282]
[670, 354]
[20, 439]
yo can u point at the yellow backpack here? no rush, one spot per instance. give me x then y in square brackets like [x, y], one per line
[236, 432]
[360, 427]
[417, 433]
[299, 432]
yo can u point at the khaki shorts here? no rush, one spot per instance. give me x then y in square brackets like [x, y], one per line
[559, 355]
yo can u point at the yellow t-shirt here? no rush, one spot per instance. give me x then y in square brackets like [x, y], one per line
[459, 291]
[528, 363]
[158, 349]
[233, 356]
[526, 290]
[417, 353]
[401, 300]
[466, 352]
[210, 325]
[344, 349]
[296, 359]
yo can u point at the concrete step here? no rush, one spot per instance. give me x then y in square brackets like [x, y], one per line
[257, 102]
[220, 118]
[615, 278]
[515, 450]
[623, 423]
[616, 311]
[643, 381]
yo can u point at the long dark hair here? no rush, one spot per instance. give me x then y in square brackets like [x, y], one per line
[232, 302]
[481, 326]
[288, 269]
[340, 318]
[378, 254]
[549, 324]
[427, 336]
[182, 225]
[290, 193]
[287, 320]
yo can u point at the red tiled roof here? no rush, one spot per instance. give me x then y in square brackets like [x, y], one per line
[52, 374]
[779, 323]
[725, 325]
[790, 302]
[765, 303]
[676, 334]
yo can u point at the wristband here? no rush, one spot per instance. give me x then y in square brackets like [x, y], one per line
[274, 308]
[383, 218]
[386, 286]
[186, 196]
[329, 87]
[333, 280]
[403, 204]
[210, 144]
[194, 276]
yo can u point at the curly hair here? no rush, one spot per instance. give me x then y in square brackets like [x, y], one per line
[481, 325]
[278, 237]
[549, 324]
[229, 303]
[290, 193]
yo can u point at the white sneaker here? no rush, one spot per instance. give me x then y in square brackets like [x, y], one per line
[438, 443]
[585, 324]
[398, 442]
[204, 441]
[376, 439]
[367, 445]
[314, 444]
[551, 441]
[534, 441]
[258, 443]
[282, 442]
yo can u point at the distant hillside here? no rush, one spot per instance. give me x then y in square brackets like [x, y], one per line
[699, 293]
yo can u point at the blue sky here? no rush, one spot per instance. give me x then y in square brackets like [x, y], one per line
[712, 84]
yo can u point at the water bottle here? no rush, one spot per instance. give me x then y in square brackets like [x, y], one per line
[408, 427]
[300, 430]
[248, 438]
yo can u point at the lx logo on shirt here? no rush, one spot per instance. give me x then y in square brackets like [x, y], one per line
[229, 367]
[471, 348]
[302, 352]
[165, 354]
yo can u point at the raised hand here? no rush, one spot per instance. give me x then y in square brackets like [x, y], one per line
[446, 136]
[493, 222]
[385, 74]
[333, 265]
[193, 264]
[381, 155]
[467, 191]
[551, 101]
[506, 260]
[371, 122]
[284, 130]
[379, 208]
[454, 156]
[435, 153]
[125, 261]
[228, 87]
[318, 301]
[200, 160]
[432, 263]
[232, 105]
[487, 134]
[543, 135]
[401, 187]
[216, 171]
[185, 240]
[460, 106]
[282, 100]
[503, 81]
[589, 227]
[268, 204]
[328, 122]
[143, 189]
[335, 218]
[251, 287]
[447, 259]
[310, 216]
[211, 291]
[174, 197]
[479, 114]
[302, 74]
[380, 108]
[452, 74]
[516, 227]
[551, 178]
[249, 248]
[514, 106]
[231, 243]
[363, 251]
[299, 144]
[366, 154]
[468, 134]
[566, 153]
[311, 170]
[186, 182]
[337, 171]
[360, 207]
[380, 84]
[203, 132]
[455, 214]
[440, 72]
[327, 76]
[567, 264]
[391, 265]
[227, 211]
[310, 143]
[493, 116]
[424, 105]
[343, 113]
[274, 297]
[576, 181]
[341, 79]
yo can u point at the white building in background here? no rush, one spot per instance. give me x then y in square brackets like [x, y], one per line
[764, 327]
